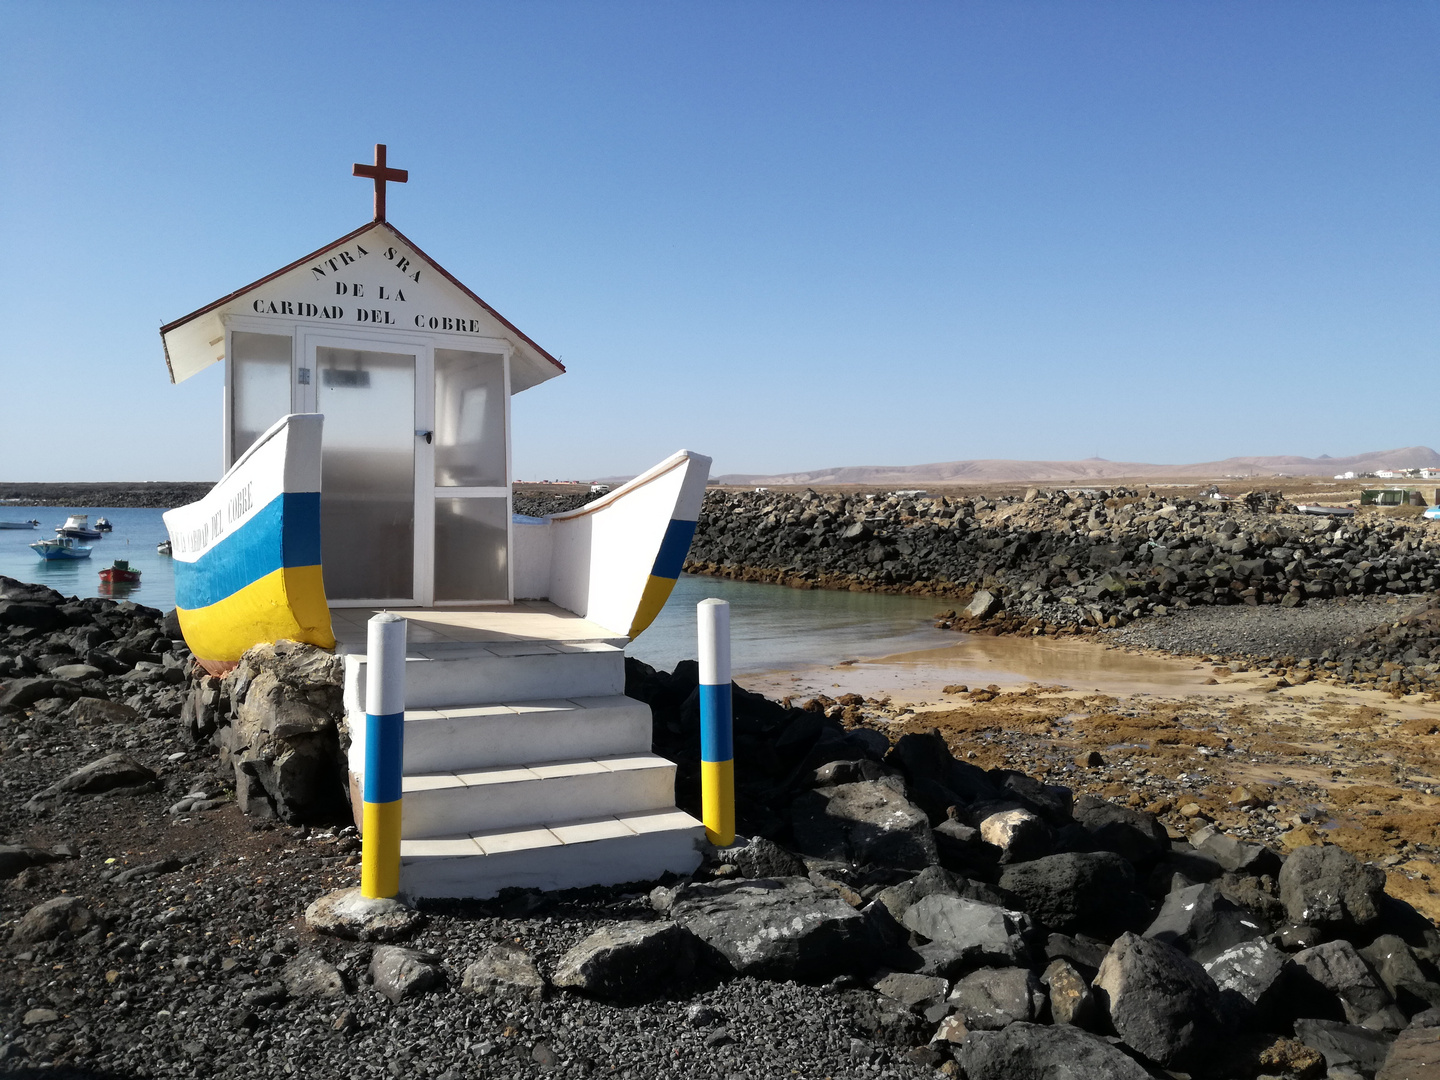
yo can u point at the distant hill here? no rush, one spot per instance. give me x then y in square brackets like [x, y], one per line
[992, 471]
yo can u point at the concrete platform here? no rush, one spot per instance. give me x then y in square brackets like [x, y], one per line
[527, 620]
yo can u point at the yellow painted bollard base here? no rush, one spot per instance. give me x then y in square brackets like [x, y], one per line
[717, 801]
[380, 850]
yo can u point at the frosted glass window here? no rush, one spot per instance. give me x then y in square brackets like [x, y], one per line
[469, 419]
[471, 550]
[367, 473]
[260, 364]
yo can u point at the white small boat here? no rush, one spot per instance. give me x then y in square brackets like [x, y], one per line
[103, 524]
[61, 548]
[18, 524]
[78, 526]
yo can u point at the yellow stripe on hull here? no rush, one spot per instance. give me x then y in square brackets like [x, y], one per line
[652, 599]
[717, 801]
[380, 849]
[286, 603]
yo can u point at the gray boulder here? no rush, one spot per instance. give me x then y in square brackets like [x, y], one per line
[1254, 979]
[1032, 1052]
[505, 972]
[761, 858]
[98, 711]
[1071, 1001]
[787, 928]
[1018, 833]
[1345, 1044]
[982, 605]
[1237, 856]
[971, 933]
[867, 822]
[628, 961]
[17, 857]
[915, 992]
[925, 756]
[993, 998]
[109, 773]
[1159, 1001]
[1202, 924]
[897, 899]
[48, 920]
[22, 693]
[347, 913]
[400, 973]
[1341, 971]
[1133, 834]
[1327, 887]
[75, 672]
[285, 732]
[1089, 892]
[310, 975]
[1415, 1055]
[1413, 986]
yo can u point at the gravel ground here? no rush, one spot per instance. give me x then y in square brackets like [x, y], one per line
[1268, 631]
[179, 972]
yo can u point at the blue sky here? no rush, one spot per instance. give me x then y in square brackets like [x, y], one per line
[789, 235]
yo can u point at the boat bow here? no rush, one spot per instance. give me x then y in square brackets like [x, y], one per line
[247, 555]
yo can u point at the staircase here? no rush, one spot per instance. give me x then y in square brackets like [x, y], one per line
[526, 766]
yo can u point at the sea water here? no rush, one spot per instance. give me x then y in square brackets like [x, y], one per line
[771, 626]
[137, 532]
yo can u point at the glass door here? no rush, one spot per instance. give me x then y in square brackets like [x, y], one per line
[471, 478]
[367, 472]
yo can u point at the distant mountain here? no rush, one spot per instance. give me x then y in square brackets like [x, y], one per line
[992, 471]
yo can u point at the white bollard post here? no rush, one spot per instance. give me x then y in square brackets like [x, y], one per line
[384, 755]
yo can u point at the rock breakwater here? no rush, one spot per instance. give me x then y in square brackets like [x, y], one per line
[1053, 560]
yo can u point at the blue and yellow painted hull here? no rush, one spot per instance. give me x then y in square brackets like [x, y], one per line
[247, 556]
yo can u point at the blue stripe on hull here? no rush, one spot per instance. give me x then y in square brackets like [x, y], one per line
[285, 532]
[674, 548]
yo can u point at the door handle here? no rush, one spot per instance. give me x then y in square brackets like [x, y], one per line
[429, 435]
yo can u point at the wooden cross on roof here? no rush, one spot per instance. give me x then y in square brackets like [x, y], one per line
[380, 174]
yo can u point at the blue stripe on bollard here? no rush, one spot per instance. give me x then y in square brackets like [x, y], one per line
[717, 741]
[384, 744]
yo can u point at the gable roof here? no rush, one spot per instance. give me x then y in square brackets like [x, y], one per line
[543, 365]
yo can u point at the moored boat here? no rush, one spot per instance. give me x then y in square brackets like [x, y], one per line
[164, 548]
[19, 524]
[103, 524]
[61, 548]
[78, 526]
[120, 572]
[247, 555]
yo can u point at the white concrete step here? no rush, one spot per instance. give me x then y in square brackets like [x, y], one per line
[506, 797]
[455, 739]
[603, 850]
[439, 677]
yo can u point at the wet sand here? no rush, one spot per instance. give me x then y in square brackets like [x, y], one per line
[1190, 741]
